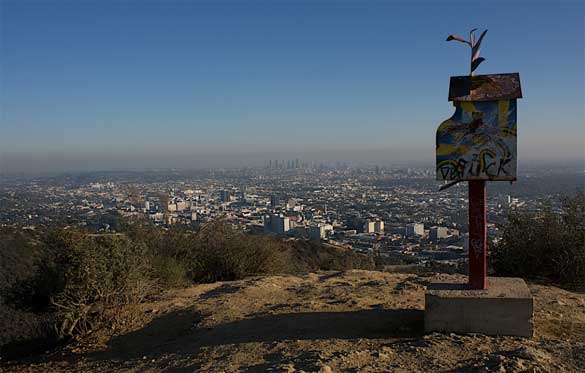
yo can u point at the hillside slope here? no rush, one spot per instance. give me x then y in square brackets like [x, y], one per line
[364, 321]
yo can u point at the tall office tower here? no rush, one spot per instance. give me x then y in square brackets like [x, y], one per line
[416, 229]
[243, 193]
[436, 233]
[274, 200]
[317, 232]
[279, 224]
[270, 163]
[369, 226]
[224, 196]
[297, 163]
[379, 226]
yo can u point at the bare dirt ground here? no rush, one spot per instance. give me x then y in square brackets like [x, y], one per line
[356, 321]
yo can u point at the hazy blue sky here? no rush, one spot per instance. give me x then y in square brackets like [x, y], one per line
[116, 84]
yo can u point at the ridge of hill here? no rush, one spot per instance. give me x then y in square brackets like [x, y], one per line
[329, 321]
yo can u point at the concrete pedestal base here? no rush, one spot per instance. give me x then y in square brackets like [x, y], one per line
[504, 308]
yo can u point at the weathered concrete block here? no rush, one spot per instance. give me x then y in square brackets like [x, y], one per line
[504, 308]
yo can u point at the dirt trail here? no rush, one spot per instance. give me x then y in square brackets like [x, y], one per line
[362, 321]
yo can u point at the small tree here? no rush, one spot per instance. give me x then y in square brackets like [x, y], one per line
[219, 253]
[546, 245]
[89, 276]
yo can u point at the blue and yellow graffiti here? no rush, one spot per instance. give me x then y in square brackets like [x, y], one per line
[478, 142]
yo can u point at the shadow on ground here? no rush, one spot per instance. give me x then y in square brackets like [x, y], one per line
[177, 332]
[221, 290]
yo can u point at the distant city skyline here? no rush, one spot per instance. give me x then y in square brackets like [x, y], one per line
[136, 85]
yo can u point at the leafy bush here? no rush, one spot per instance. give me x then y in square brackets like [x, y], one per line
[168, 250]
[218, 252]
[19, 253]
[309, 256]
[169, 272]
[547, 245]
[83, 276]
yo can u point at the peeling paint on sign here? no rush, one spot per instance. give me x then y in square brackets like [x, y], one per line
[478, 142]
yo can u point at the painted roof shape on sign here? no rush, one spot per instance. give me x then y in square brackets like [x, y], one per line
[490, 87]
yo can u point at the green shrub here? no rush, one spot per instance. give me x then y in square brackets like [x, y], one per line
[219, 253]
[169, 272]
[309, 256]
[89, 275]
[19, 254]
[547, 245]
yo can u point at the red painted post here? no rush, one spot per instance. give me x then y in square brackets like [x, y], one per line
[477, 235]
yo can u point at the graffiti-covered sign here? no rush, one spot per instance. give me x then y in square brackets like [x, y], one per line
[479, 141]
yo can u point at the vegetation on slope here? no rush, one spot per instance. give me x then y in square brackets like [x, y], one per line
[66, 283]
[547, 246]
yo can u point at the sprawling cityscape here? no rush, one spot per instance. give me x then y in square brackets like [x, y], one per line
[387, 211]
